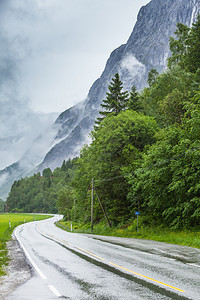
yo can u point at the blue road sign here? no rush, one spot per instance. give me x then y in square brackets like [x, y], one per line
[137, 213]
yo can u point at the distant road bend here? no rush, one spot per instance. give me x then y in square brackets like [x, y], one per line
[75, 266]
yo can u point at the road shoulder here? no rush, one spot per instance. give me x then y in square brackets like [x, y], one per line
[18, 270]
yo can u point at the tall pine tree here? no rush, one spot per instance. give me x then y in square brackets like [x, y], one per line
[116, 100]
[134, 100]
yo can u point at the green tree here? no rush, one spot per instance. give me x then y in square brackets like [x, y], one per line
[172, 106]
[2, 203]
[134, 100]
[185, 48]
[153, 74]
[65, 202]
[150, 182]
[156, 100]
[192, 57]
[47, 174]
[178, 45]
[167, 183]
[116, 100]
[40, 193]
[115, 150]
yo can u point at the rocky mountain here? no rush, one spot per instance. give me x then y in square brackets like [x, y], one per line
[147, 48]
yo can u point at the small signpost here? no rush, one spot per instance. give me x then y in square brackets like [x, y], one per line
[137, 213]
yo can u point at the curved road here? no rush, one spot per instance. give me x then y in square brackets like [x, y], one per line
[75, 266]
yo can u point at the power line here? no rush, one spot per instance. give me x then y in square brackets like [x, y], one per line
[160, 163]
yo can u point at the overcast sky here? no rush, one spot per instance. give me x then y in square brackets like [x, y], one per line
[56, 49]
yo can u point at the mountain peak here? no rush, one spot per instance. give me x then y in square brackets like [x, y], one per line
[146, 48]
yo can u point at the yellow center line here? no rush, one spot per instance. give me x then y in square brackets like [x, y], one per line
[51, 235]
[64, 242]
[58, 239]
[147, 277]
[89, 253]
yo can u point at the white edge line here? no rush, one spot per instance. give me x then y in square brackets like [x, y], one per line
[194, 265]
[54, 291]
[29, 258]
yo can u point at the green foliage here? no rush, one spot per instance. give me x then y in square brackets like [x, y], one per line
[189, 238]
[186, 48]
[166, 185]
[165, 99]
[192, 57]
[172, 106]
[144, 156]
[153, 74]
[116, 100]
[116, 148]
[178, 46]
[134, 100]
[65, 202]
[2, 203]
[41, 193]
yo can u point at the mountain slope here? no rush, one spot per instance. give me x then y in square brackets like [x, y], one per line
[147, 48]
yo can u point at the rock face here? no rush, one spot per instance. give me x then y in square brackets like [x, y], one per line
[147, 48]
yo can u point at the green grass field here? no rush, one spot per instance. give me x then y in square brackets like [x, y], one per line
[8, 222]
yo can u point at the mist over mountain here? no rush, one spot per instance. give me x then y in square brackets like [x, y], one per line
[48, 143]
[147, 48]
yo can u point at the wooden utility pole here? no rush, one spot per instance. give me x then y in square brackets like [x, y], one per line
[92, 203]
[105, 214]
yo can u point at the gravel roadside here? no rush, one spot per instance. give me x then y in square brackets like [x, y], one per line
[18, 271]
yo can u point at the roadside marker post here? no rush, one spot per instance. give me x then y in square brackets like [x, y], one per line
[137, 213]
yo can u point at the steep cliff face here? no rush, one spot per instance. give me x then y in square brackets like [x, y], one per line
[147, 48]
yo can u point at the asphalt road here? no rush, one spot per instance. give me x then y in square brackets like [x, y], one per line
[75, 266]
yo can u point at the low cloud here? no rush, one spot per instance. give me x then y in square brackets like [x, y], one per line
[40, 138]
[30, 142]
[48, 50]
[3, 178]
[133, 66]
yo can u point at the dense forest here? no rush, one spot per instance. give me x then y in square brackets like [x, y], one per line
[144, 155]
[1, 206]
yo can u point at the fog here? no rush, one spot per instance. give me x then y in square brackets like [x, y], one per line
[51, 51]
[56, 49]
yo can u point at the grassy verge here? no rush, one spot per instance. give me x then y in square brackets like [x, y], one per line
[189, 238]
[8, 222]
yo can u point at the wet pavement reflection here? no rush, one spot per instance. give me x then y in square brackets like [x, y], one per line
[77, 266]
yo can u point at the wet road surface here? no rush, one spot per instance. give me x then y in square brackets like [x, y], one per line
[75, 266]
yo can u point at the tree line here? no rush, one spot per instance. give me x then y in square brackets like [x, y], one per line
[144, 154]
